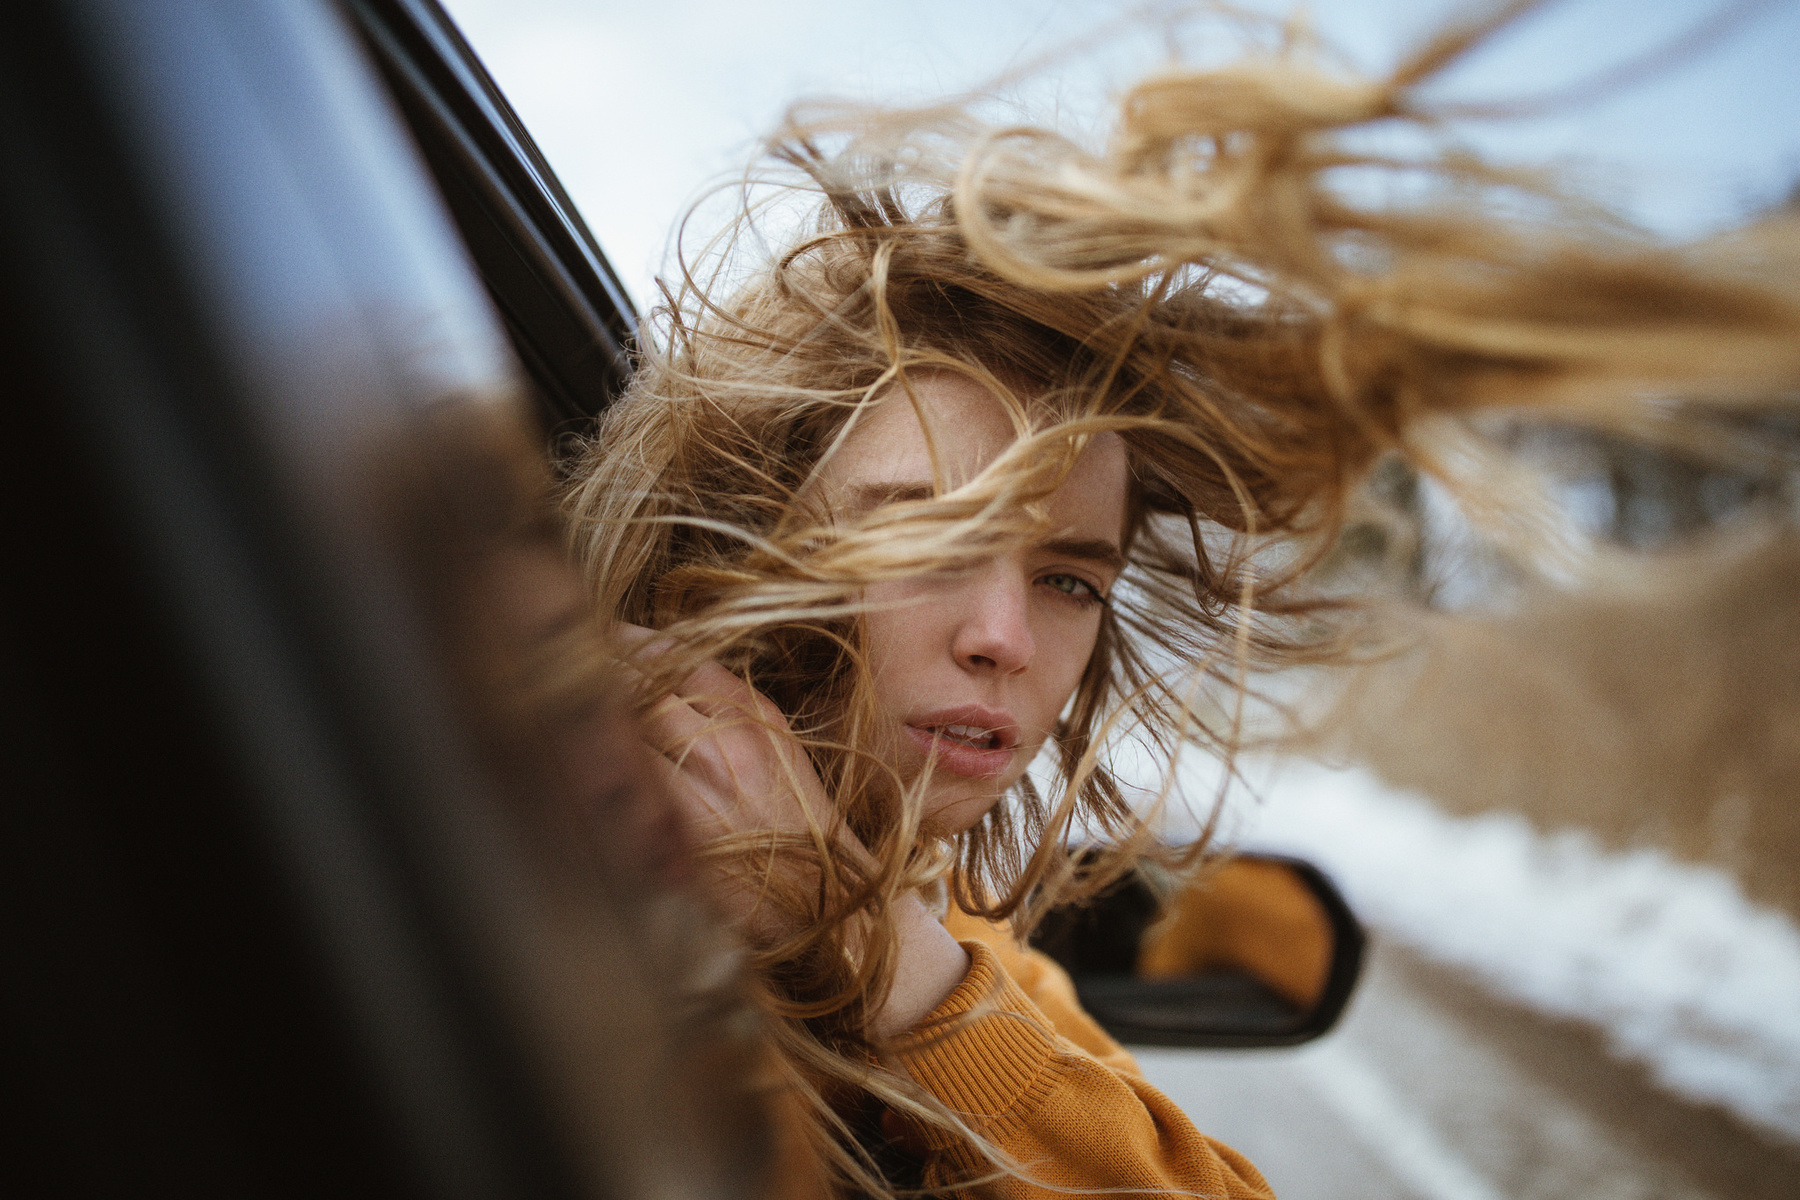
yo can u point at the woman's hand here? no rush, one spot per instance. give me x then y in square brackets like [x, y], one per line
[727, 754]
[733, 767]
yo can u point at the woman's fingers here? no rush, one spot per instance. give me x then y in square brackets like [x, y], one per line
[716, 692]
[752, 775]
[709, 689]
[739, 765]
[633, 637]
[725, 756]
[671, 727]
[676, 723]
[697, 806]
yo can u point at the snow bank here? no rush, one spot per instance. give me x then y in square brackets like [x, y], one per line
[1680, 970]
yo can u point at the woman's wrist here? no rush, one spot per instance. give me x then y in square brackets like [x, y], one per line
[929, 964]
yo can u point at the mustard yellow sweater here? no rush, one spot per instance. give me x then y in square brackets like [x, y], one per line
[1035, 1075]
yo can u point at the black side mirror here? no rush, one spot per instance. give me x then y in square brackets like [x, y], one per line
[1262, 952]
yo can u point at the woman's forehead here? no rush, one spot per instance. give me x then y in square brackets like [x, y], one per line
[939, 419]
[950, 423]
[938, 415]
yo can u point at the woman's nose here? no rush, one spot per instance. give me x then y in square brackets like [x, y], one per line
[993, 630]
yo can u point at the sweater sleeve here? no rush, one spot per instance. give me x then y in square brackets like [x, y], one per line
[1069, 1116]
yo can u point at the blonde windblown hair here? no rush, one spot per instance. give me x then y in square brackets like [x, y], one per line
[1214, 288]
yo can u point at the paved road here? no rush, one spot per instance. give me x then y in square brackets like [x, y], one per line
[1433, 1090]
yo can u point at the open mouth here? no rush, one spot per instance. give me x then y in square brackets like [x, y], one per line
[967, 735]
[982, 748]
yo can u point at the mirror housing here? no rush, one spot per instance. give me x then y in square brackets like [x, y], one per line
[1263, 951]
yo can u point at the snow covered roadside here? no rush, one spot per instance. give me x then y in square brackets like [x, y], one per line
[1679, 969]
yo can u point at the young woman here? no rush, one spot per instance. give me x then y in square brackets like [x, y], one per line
[1017, 452]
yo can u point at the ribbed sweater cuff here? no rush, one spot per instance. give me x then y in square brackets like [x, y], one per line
[989, 1063]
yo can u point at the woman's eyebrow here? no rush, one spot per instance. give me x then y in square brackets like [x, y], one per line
[1099, 551]
[866, 497]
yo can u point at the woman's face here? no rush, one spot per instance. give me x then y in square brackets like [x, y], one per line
[974, 668]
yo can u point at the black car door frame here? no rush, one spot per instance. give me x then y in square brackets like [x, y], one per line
[250, 892]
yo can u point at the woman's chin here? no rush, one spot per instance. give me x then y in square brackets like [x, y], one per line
[959, 813]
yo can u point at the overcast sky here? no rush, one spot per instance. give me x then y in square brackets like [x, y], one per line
[640, 105]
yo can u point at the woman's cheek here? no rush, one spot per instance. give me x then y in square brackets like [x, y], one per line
[1071, 639]
[893, 626]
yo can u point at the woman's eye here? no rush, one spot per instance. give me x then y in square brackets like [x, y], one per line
[1073, 586]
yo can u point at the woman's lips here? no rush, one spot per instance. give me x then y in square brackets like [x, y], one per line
[960, 757]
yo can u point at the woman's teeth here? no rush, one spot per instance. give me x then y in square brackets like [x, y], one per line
[968, 735]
